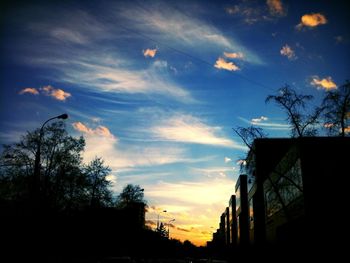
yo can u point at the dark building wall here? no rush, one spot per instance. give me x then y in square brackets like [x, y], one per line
[227, 226]
[233, 221]
[242, 210]
[311, 216]
[325, 167]
[265, 155]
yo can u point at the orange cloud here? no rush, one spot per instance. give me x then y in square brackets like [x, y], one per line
[312, 20]
[233, 55]
[326, 83]
[288, 52]
[347, 129]
[100, 130]
[276, 7]
[58, 94]
[222, 64]
[33, 91]
[149, 52]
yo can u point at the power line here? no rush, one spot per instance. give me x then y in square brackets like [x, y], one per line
[240, 75]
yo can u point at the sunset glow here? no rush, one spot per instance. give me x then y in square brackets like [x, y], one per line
[155, 87]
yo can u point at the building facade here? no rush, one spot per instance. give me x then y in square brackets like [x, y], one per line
[289, 187]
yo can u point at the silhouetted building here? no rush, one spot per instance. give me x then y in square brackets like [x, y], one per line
[288, 200]
[262, 159]
[232, 221]
[242, 210]
[227, 227]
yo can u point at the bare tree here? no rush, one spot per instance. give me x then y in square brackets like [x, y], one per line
[248, 135]
[337, 110]
[294, 104]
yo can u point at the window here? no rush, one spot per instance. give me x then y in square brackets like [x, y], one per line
[283, 187]
[238, 198]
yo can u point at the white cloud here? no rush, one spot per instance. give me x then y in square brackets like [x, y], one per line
[149, 52]
[288, 52]
[260, 119]
[312, 20]
[325, 83]
[189, 129]
[227, 160]
[267, 125]
[222, 64]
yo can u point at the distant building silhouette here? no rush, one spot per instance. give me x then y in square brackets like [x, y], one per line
[232, 221]
[242, 210]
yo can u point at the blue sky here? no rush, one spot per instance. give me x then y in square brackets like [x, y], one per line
[156, 87]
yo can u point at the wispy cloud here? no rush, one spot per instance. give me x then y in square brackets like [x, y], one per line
[260, 119]
[223, 64]
[165, 23]
[248, 13]
[189, 129]
[111, 74]
[70, 48]
[325, 83]
[276, 7]
[68, 35]
[214, 172]
[120, 157]
[70, 26]
[252, 12]
[266, 125]
[33, 91]
[234, 55]
[288, 52]
[149, 52]
[339, 39]
[311, 21]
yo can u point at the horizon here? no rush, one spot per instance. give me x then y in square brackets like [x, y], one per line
[156, 87]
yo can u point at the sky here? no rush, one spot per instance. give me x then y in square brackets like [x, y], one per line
[156, 87]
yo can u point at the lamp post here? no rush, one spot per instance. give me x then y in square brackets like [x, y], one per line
[36, 177]
[164, 211]
[172, 220]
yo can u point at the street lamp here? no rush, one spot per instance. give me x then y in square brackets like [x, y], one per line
[36, 179]
[172, 220]
[164, 211]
